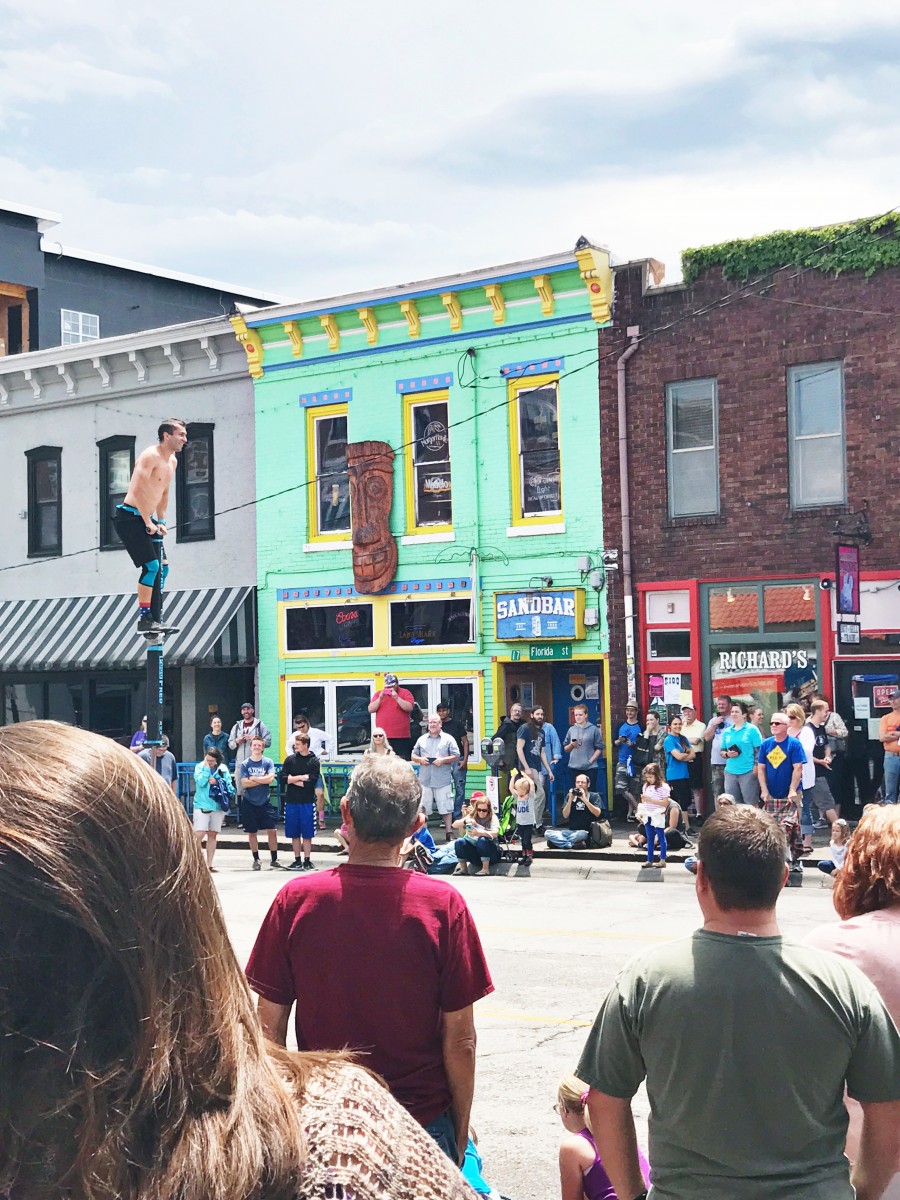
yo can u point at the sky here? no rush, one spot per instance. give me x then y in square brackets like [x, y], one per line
[310, 150]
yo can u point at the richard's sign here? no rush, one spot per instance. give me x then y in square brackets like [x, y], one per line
[553, 615]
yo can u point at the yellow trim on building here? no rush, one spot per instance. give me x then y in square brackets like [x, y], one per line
[370, 323]
[450, 301]
[295, 337]
[409, 466]
[544, 288]
[313, 415]
[593, 263]
[330, 325]
[381, 627]
[410, 310]
[252, 343]
[527, 384]
[494, 293]
[474, 675]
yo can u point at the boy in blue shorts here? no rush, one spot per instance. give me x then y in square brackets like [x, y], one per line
[300, 775]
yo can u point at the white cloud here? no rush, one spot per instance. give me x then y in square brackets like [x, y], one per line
[316, 149]
[55, 75]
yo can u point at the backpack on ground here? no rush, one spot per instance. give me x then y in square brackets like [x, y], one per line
[600, 836]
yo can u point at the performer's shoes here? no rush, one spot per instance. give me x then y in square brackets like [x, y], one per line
[148, 625]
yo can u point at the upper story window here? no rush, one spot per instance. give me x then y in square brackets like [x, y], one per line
[195, 486]
[329, 501]
[816, 431]
[44, 501]
[429, 506]
[535, 466]
[77, 327]
[692, 449]
[116, 466]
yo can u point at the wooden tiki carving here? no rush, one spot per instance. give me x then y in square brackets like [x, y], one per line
[371, 469]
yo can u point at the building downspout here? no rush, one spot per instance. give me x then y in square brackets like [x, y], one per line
[633, 332]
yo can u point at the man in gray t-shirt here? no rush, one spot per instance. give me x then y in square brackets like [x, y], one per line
[436, 752]
[162, 760]
[736, 1110]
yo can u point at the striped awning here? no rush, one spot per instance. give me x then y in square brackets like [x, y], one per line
[217, 627]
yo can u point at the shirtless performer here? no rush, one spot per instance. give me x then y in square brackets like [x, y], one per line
[142, 515]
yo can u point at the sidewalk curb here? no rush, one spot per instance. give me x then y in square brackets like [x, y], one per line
[237, 841]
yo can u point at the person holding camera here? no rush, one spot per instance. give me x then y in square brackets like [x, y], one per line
[394, 705]
[715, 727]
[581, 809]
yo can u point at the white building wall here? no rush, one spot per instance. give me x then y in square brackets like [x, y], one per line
[76, 396]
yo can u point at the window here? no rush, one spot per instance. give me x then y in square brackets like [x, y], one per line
[328, 627]
[78, 327]
[430, 622]
[195, 487]
[427, 437]
[670, 643]
[534, 447]
[340, 708]
[44, 501]
[116, 466]
[462, 695]
[692, 448]
[327, 461]
[816, 430]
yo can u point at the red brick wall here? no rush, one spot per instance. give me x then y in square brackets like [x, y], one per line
[747, 343]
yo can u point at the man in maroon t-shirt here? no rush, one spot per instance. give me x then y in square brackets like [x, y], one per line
[393, 704]
[382, 961]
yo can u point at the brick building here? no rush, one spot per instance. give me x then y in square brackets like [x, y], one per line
[760, 418]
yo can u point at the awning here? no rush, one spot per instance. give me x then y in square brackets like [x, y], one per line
[217, 627]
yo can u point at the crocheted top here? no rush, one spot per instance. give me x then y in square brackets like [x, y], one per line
[363, 1145]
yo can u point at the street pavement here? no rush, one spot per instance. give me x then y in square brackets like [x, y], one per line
[554, 940]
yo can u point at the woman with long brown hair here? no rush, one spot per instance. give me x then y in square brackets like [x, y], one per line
[867, 899]
[132, 1064]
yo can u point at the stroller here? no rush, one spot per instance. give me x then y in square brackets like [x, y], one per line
[507, 822]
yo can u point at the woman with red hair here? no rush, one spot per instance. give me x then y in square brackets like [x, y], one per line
[867, 899]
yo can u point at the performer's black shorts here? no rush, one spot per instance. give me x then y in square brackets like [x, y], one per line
[131, 529]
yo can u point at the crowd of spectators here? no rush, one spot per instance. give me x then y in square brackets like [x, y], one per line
[134, 1064]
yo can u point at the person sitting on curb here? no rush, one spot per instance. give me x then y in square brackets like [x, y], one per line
[581, 808]
[722, 801]
[478, 845]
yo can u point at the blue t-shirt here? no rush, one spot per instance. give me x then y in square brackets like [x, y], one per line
[422, 835]
[259, 796]
[676, 768]
[632, 733]
[746, 739]
[779, 759]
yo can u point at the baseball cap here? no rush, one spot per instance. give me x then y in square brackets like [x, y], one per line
[478, 796]
[688, 708]
[247, 704]
[390, 680]
[895, 694]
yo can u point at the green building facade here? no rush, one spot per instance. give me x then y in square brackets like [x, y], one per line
[486, 387]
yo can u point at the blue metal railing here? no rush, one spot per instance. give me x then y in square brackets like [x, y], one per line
[336, 776]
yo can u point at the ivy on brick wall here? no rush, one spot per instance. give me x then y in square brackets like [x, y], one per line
[869, 245]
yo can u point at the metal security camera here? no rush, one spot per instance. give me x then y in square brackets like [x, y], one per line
[825, 585]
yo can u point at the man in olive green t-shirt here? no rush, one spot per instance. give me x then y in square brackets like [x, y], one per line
[746, 1042]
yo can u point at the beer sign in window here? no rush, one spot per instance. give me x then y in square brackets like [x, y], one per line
[429, 497]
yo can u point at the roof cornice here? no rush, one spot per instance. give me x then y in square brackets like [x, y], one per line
[565, 260]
